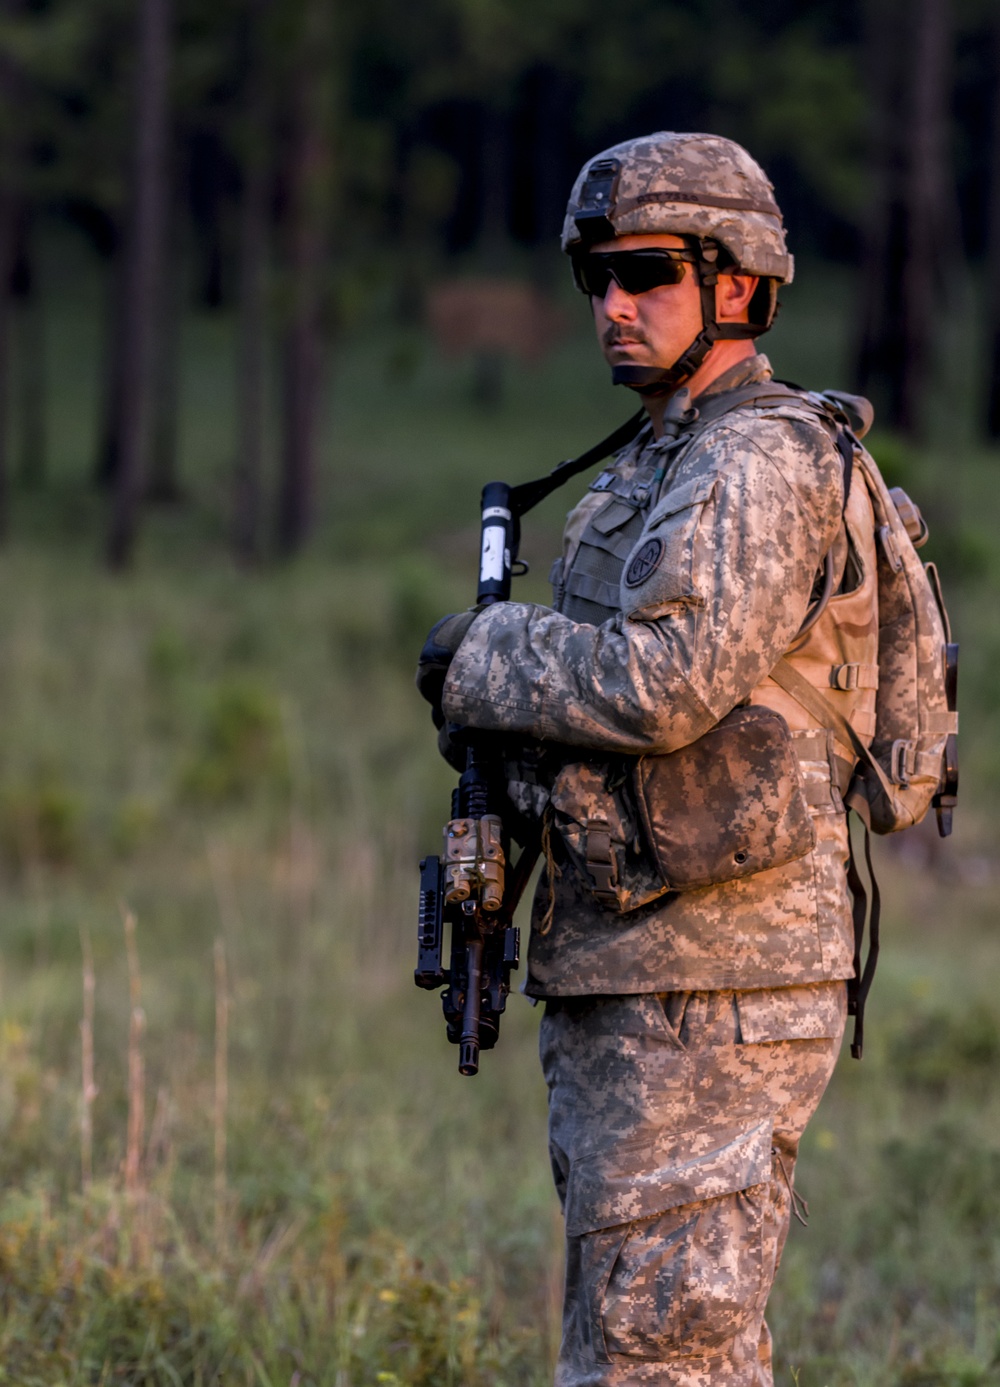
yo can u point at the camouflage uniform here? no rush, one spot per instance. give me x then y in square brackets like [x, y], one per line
[674, 1124]
[688, 1036]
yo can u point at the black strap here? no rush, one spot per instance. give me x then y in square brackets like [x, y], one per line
[859, 986]
[525, 497]
[845, 446]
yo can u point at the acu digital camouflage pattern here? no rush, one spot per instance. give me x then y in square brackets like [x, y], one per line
[912, 703]
[744, 806]
[674, 1126]
[745, 511]
[718, 191]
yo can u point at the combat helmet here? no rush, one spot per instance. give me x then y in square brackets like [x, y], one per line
[706, 189]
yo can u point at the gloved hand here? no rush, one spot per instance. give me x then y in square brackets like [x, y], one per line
[436, 656]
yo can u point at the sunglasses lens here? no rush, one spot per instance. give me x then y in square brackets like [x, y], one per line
[593, 275]
[636, 271]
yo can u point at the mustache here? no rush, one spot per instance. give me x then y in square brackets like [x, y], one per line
[616, 332]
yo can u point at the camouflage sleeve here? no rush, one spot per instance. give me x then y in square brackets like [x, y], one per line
[711, 596]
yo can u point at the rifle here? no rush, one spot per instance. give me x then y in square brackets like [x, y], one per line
[470, 887]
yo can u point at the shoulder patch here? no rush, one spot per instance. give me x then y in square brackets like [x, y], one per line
[644, 562]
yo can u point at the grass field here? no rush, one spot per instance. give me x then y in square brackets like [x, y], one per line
[242, 762]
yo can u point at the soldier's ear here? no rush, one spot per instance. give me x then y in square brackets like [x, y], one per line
[733, 295]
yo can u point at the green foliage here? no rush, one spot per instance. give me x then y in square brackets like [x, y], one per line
[940, 1049]
[241, 745]
[897, 459]
[417, 602]
[40, 822]
[112, 1290]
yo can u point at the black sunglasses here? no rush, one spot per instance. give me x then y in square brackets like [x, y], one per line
[634, 271]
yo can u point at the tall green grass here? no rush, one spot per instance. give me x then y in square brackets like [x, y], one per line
[242, 758]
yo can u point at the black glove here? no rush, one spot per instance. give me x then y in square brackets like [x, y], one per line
[436, 656]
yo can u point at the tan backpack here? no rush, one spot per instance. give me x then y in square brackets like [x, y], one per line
[912, 762]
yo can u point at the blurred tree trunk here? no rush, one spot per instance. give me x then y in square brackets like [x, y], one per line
[550, 177]
[163, 487]
[928, 202]
[307, 217]
[488, 373]
[142, 274]
[992, 294]
[406, 231]
[911, 221]
[30, 356]
[251, 365]
[112, 367]
[7, 221]
[11, 195]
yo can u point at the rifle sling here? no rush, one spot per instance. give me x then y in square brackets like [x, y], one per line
[525, 497]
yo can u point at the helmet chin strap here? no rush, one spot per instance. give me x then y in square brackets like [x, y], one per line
[659, 380]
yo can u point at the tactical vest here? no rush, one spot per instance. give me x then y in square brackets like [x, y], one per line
[838, 655]
[589, 589]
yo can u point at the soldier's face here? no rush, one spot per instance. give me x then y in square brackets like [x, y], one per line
[649, 329]
[653, 328]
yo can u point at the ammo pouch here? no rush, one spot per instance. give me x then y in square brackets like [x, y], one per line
[726, 806]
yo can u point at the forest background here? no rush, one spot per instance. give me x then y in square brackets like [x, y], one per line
[279, 290]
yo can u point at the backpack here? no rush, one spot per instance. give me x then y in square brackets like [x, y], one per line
[912, 762]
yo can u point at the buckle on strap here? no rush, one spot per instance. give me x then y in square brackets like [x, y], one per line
[902, 762]
[847, 678]
[889, 548]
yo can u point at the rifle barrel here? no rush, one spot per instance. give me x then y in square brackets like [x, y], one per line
[468, 1047]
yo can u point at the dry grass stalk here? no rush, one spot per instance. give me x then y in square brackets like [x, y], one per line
[88, 1088]
[281, 1237]
[222, 884]
[221, 1085]
[158, 1148]
[136, 1068]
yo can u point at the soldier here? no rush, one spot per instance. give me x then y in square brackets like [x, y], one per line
[688, 1034]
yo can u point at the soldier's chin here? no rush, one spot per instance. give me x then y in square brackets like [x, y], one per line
[647, 380]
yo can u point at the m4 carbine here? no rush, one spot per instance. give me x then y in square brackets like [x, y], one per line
[472, 887]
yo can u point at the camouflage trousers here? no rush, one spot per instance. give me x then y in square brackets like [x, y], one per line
[674, 1124]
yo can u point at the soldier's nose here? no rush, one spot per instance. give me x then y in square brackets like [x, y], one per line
[618, 304]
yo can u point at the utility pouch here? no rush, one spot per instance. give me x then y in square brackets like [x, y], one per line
[726, 806]
[598, 829]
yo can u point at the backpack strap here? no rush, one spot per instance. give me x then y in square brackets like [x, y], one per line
[787, 677]
[798, 687]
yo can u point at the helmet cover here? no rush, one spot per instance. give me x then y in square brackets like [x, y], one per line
[684, 185]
